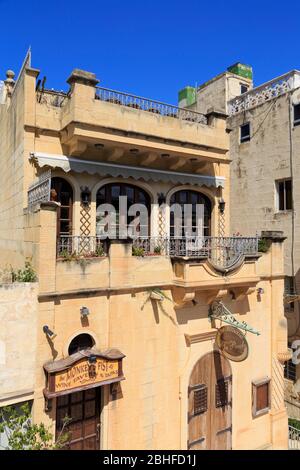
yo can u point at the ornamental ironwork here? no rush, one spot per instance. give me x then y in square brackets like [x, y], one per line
[149, 105]
[224, 253]
[218, 311]
[40, 190]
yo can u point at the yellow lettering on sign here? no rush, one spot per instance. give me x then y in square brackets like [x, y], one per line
[83, 373]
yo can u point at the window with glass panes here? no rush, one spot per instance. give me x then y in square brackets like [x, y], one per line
[284, 194]
[193, 198]
[296, 114]
[110, 194]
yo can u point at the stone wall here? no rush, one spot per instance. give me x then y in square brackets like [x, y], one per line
[18, 340]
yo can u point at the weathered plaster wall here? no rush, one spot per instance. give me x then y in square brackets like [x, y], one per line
[256, 166]
[18, 341]
[12, 175]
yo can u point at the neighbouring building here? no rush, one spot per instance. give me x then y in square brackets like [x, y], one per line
[164, 341]
[263, 123]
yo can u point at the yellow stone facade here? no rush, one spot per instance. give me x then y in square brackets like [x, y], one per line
[162, 338]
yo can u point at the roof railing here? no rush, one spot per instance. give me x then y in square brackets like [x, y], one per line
[149, 105]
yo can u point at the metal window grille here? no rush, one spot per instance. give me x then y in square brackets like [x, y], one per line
[221, 393]
[200, 400]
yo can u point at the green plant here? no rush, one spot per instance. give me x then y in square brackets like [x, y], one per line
[22, 434]
[138, 251]
[295, 423]
[157, 250]
[99, 251]
[67, 256]
[160, 292]
[27, 274]
[262, 245]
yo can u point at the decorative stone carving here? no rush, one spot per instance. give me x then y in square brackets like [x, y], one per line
[284, 356]
[40, 190]
[214, 295]
[181, 297]
[241, 292]
[263, 93]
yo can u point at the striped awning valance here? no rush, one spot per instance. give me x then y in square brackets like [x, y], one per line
[77, 165]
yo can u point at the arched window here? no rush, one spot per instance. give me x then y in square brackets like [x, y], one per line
[110, 194]
[193, 198]
[62, 192]
[80, 342]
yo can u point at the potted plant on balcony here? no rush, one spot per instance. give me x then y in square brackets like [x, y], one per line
[138, 251]
[133, 105]
[153, 110]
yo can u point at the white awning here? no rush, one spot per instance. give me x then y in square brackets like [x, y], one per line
[77, 165]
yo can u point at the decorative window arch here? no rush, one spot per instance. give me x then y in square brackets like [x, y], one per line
[187, 196]
[110, 193]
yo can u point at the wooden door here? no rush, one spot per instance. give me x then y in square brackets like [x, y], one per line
[210, 404]
[84, 410]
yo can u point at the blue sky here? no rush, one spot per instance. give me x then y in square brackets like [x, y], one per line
[149, 48]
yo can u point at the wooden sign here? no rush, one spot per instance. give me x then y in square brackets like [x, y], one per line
[83, 370]
[83, 373]
[232, 343]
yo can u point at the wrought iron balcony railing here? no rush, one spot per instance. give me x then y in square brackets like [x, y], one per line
[69, 246]
[222, 251]
[294, 438]
[151, 106]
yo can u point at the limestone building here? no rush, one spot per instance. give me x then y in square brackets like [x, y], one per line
[263, 124]
[160, 341]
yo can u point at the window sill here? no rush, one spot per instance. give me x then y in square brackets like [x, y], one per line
[261, 413]
[285, 212]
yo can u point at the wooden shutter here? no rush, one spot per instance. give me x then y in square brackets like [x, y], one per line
[260, 397]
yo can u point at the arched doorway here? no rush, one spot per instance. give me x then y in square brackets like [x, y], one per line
[62, 192]
[210, 404]
[110, 194]
[193, 198]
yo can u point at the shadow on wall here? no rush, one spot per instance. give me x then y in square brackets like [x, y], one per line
[199, 309]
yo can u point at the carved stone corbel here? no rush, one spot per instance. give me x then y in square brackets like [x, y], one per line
[77, 148]
[284, 356]
[241, 292]
[182, 298]
[215, 295]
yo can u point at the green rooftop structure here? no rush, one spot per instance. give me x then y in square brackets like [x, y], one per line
[187, 96]
[242, 70]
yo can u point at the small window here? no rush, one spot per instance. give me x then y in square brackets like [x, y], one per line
[284, 195]
[245, 132]
[80, 342]
[244, 88]
[290, 368]
[288, 292]
[296, 114]
[260, 397]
